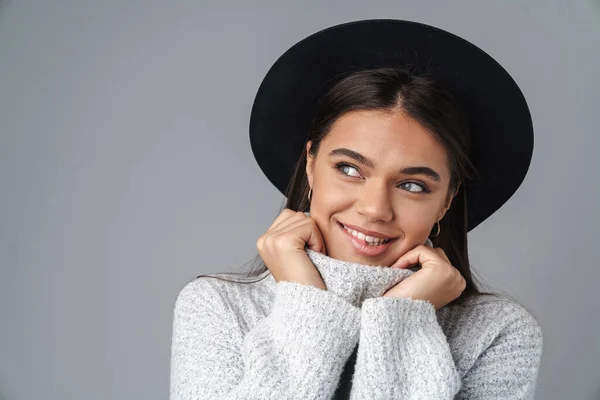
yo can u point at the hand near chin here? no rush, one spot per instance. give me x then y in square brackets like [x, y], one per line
[437, 281]
[282, 248]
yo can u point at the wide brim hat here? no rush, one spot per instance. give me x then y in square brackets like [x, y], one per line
[498, 115]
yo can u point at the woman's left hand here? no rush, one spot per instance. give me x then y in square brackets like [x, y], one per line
[437, 281]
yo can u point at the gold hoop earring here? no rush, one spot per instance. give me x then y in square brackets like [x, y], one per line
[438, 230]
[309, 194]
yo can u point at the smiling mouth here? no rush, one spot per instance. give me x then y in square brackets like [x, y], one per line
[368, 239]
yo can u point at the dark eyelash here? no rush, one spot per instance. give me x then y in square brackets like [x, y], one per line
[425, 188]
[340, 165]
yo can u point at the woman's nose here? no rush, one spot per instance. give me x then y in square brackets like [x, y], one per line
[374, 203]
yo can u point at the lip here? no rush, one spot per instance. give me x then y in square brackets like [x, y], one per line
[367, 232]
[361, 247]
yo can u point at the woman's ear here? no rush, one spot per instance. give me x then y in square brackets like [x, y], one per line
[449, 202]
[309, 164]
[457, 188]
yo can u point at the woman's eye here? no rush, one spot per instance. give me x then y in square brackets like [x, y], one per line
[419, 187]
[413, 187]
[347, 170]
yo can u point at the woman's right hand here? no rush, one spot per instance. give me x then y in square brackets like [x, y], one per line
[282, 248]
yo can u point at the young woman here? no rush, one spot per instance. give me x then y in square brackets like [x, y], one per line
[391, 140]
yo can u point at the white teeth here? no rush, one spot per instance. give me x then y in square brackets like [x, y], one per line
[370, 239]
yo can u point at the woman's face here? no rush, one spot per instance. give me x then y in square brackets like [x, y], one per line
[382, 175]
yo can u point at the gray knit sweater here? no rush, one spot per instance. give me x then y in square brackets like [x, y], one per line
[285, 340]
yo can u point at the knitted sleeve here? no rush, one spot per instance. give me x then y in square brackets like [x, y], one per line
[403, 354]
[297, 351]
[509, 367]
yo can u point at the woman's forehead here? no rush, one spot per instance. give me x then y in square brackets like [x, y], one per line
[386, 137]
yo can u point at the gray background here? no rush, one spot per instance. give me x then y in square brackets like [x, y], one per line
[126, 170]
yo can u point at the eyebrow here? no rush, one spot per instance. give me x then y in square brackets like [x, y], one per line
[414, 170]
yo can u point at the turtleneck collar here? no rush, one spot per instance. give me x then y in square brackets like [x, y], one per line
[353, 281]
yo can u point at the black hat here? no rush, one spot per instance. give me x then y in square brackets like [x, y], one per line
[500, 122]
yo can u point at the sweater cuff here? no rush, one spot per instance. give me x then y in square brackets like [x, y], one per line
[315, 318]
[398, 314]
[406, 334]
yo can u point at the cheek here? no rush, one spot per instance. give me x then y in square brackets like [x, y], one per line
[415, 219]
[327, 204]
[330, 195]
[329, 199]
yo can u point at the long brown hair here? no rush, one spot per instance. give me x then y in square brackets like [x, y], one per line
[431, 103]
